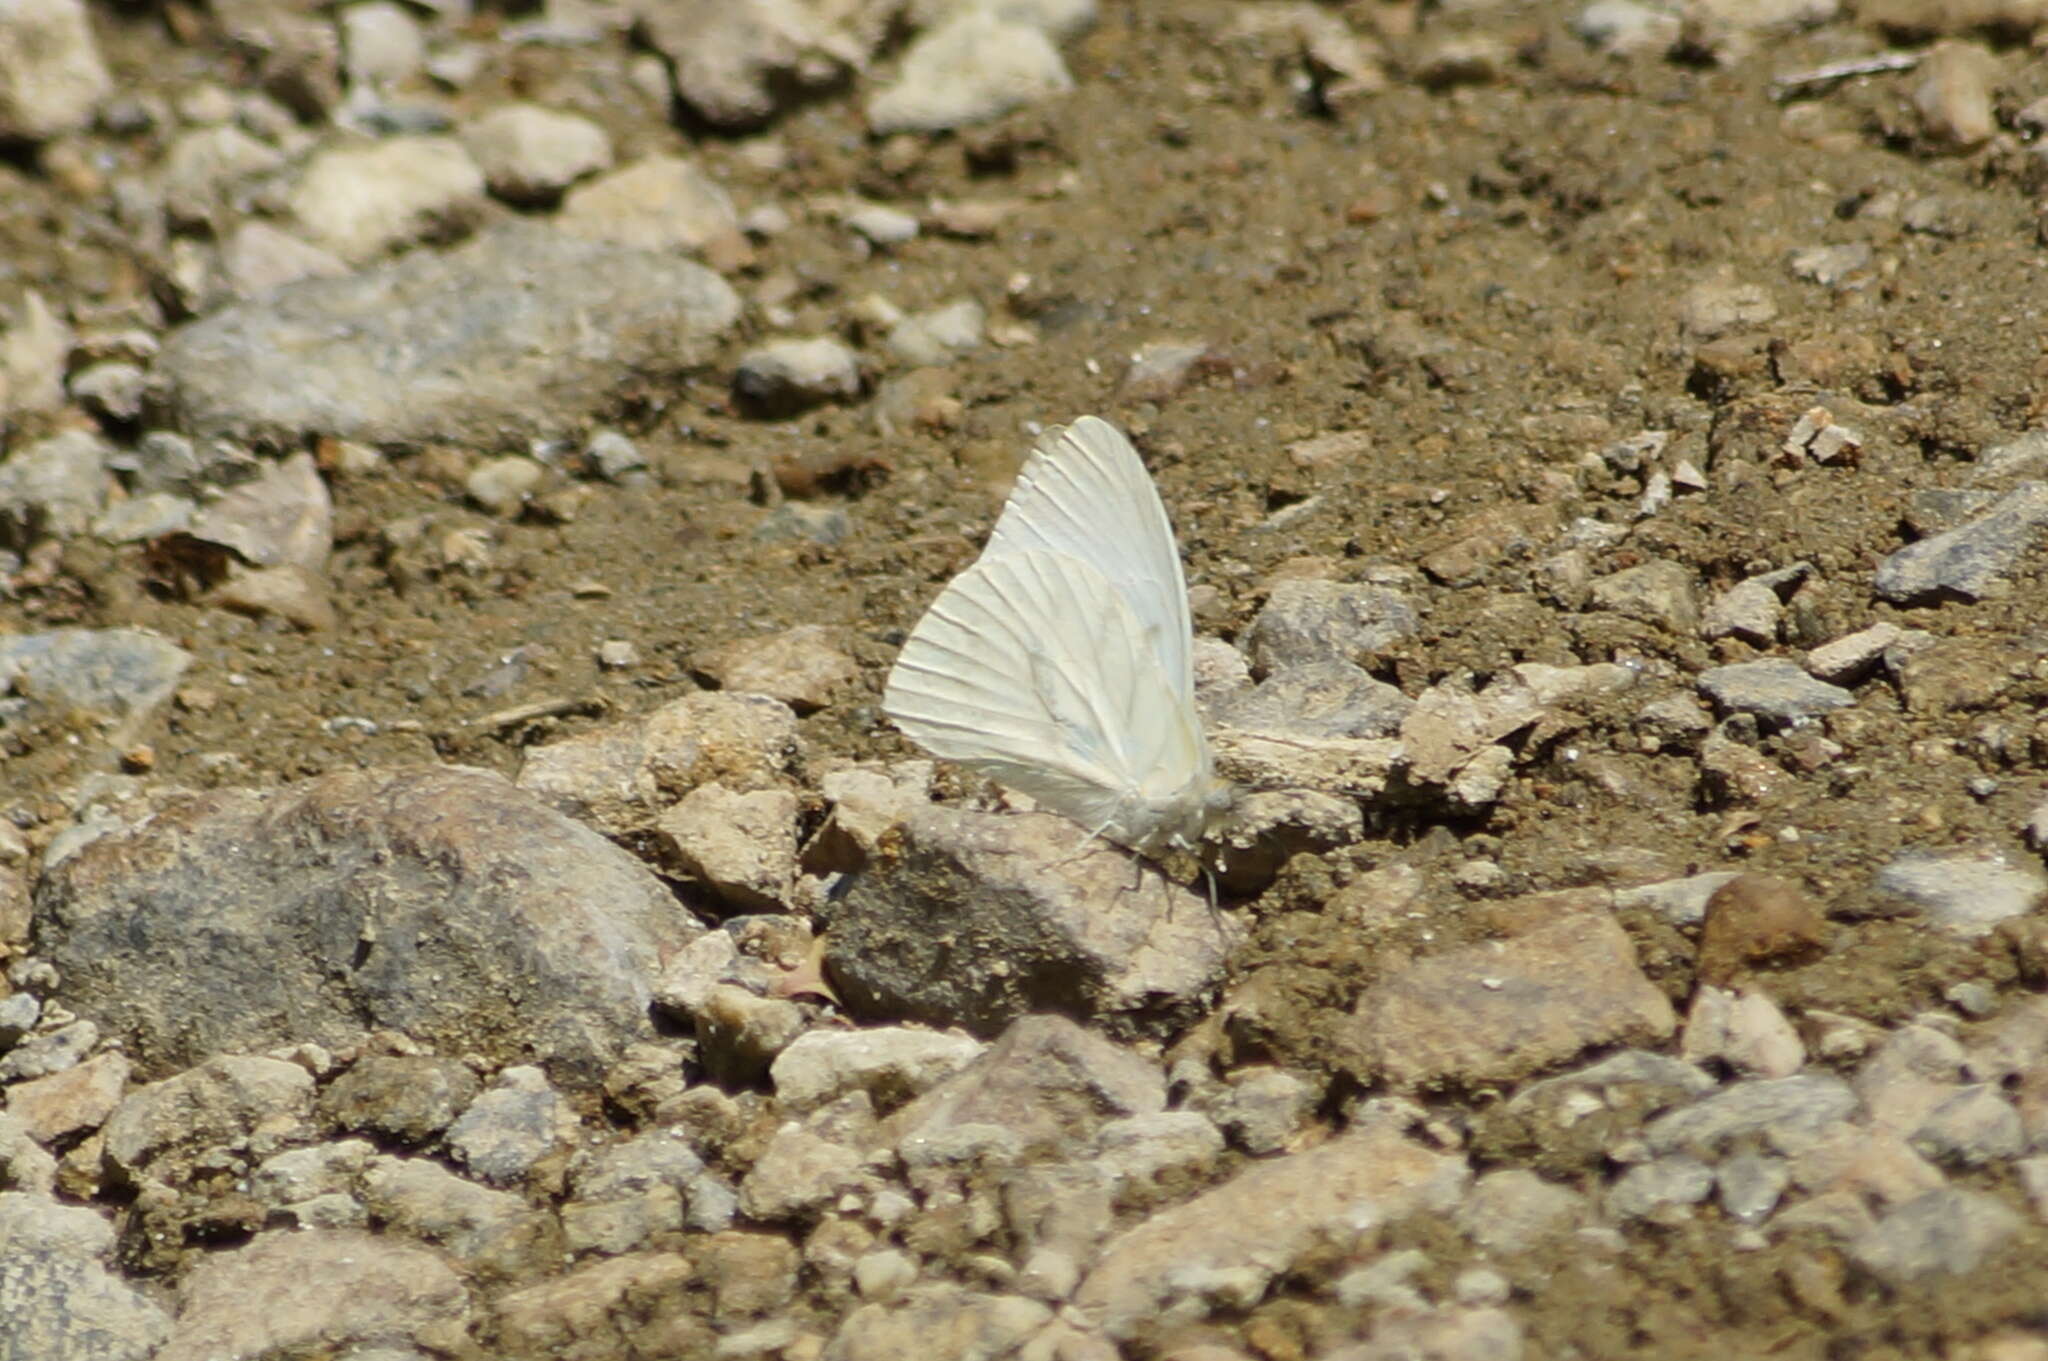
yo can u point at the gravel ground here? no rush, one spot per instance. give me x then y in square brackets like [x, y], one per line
[469, 467]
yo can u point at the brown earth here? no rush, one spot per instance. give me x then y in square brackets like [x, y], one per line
[1480, 279]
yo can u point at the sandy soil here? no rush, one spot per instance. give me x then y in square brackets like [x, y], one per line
[1481, 278]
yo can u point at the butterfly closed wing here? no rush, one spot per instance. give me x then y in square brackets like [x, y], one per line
[1060, 663]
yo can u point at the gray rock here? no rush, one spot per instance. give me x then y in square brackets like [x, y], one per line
[1323, 621]
[1750, 610]
[113, 392]
[60, 1303]
[144, 516]
[1151, 1156]
[436, 900]
[973, 66]
[1228, 1245]
[1720, 305]
[1654, 1190]
[33, 356]
[1262, 1109]
[282, 516]
[53, 1051]
[297, 52]
[1971, 560]
[1511, 1210]
[1055, 927]
[1965, 891]
[381, 43]
[503, 486]
[232, 1099]
[1788, 1114]
[2026, 453]
[476, 1225]
[205, 170]
[798, 522]
[332, 1289]
[512, 1126]
[1944, 1232]
[1269, 827]
[1661, 593]
[736, 63]
[361, 201]
[24, 1164]
[1829, 266]
[531, 333]
[529, 154]
[117, 676]
[613, 455]
[1045, 1081]
[621, 778]
[76, 1101]
[51, 74]
[631, 1194]
[662, 204]
[880, 225]
[941, 1317]
[1775, 689]
[258, 257]
[892, 1064]
[1750, 1185]
[1318, 699]
[1853, 656]
[1526, 1003]
[940, 335]
[798, 1174]
[739, 1034]
[302, 1174]
[742, 847]
[1744, 1030]
[1974, 1127]
[19, 1012]
[784, 377]
[52, 488]
[410, 1098]
[1682, 902]
[805, 667]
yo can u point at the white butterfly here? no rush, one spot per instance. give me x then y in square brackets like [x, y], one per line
[1060, 663]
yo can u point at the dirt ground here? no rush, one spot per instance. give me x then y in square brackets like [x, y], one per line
[1477, 270]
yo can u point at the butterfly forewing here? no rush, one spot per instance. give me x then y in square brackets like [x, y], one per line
[1030, 669]
[1084, 494]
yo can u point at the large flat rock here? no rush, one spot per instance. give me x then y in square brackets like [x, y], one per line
[524, 332]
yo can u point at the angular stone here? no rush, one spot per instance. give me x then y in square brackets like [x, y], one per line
[51, 74]
[293, 1292]
[620, 778]
[1054, 927]
[1788, 1113]
[973, 66]
[1228, 1245]
[1775, 689]
[892, 1064]
[1964, 891]
[359, 202]
[1319, 621]
[1045, 1080]
[1945, 1232]
[1522, 1005]
[226, 1099]
[1971, 560]
[59, 1302]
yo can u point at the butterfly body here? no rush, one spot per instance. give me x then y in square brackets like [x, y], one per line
[1060, 663]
